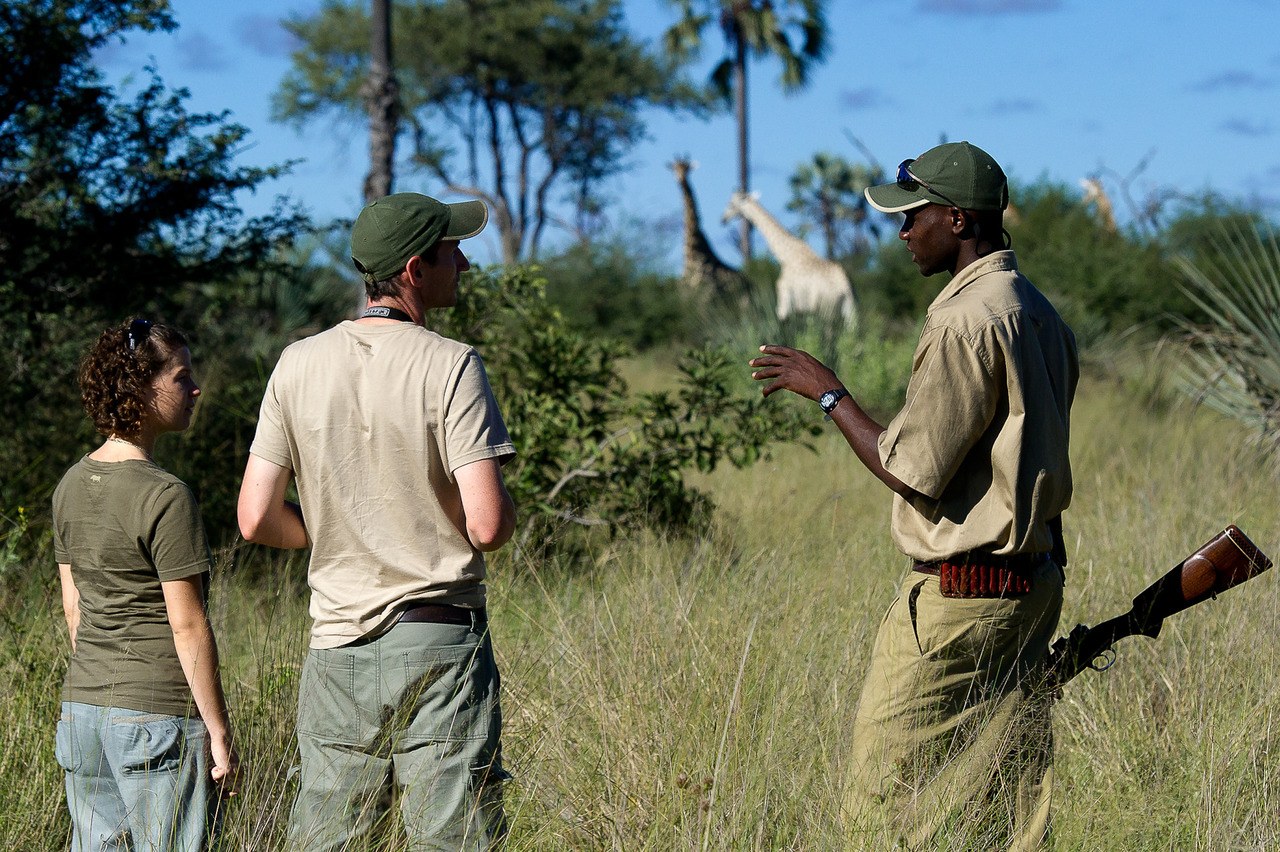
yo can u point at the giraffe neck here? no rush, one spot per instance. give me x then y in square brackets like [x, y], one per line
[785, 246]
[697, 249]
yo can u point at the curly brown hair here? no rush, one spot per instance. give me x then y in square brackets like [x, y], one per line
[115, 377]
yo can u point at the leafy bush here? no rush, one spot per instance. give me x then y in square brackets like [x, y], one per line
[890, 285]
[590, 454]
[608, 288]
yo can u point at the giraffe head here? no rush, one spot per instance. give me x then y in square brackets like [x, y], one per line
[1092, 189]
[736, 203]
[682, 165]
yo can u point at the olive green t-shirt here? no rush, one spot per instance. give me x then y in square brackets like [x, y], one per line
[374, 420]
[983, 435]
[125, 527]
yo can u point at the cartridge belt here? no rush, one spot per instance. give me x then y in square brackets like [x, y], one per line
[983, 575]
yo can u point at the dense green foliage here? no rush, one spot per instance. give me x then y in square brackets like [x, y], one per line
[520, 102]
[108, 207]
[607, 287]
[590, 454]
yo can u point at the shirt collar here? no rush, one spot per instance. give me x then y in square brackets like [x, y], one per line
[999, 261]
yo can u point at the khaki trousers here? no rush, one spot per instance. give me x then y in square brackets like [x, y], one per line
[952, 747]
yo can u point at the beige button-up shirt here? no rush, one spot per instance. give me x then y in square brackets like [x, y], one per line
[983, 436]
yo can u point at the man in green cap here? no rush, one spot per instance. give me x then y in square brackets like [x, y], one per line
[951, 741]
[394, 440]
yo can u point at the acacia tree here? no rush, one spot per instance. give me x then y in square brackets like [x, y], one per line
[827, 190]
[504, 100]
[792, 31]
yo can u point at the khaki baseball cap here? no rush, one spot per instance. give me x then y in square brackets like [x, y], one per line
[956, 174]
[393, 229]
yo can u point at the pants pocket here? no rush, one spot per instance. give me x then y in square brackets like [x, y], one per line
[449, 694]
[147, 743]
[68, 752]
[328, 704]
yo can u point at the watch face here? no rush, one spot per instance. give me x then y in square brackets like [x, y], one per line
[827, 399]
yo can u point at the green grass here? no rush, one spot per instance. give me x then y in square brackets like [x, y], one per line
[674, 694]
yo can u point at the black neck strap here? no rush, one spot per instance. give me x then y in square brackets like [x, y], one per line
[383, 312]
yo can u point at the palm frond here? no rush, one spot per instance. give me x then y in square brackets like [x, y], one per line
[1233, 362]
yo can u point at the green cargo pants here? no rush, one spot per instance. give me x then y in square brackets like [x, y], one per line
[413, 714]
[952, 746]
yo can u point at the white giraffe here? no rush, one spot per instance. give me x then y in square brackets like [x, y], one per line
[807, 282]
[1096, 196]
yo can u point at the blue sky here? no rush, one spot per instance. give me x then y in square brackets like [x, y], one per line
[1052, 88]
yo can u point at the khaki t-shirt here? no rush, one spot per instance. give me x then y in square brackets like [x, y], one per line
[983, 435]
[373, 420]
[125, 527]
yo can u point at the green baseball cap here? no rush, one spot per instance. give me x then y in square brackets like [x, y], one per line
[956, 174]
[393, 229]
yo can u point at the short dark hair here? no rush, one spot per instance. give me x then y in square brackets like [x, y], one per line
[114, 376]
[375, 290]
[989, 225]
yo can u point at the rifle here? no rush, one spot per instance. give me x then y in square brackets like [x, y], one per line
[1226, 560]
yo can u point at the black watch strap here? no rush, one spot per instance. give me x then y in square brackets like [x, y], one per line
[831, 399]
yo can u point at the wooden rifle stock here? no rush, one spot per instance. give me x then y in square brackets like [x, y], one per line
[1226, 560]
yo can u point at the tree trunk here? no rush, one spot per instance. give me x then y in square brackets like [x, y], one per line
[382, 102]
[740, 105]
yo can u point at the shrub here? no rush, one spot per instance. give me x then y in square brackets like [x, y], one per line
[588, 453]
[609, 288]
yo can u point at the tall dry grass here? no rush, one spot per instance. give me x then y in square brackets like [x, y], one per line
[673, 694]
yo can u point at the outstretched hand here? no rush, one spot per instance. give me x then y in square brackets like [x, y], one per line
[794, 370]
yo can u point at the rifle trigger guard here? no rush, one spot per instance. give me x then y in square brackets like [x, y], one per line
[1108, 658]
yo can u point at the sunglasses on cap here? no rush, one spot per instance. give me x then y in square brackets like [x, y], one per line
[911, 183]
[138, 331]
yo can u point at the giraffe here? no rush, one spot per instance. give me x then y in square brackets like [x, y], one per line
[806, 282]
[1096, 196]
[704, 273]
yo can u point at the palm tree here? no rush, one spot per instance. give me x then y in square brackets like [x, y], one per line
[751, 28]
[827, 190]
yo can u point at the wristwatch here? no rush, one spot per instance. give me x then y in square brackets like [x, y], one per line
[831, 399]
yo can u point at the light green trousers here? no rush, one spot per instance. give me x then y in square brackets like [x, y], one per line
[413, 716]
[952, 747]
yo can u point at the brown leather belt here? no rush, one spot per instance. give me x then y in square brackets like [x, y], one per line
[443, 614]
[983, 575]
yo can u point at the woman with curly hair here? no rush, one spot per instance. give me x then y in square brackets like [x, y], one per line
[144, 736]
